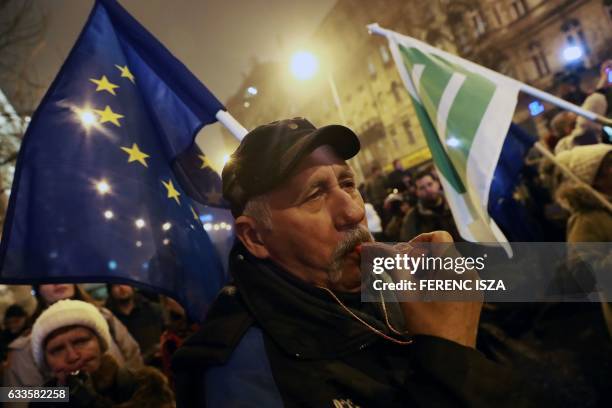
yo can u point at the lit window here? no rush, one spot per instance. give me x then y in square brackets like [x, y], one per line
[519, 8]
[478, 23]
[371, 68]
[395, 91]
[384, 54]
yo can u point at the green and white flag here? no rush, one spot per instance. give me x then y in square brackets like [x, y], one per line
[465, 111]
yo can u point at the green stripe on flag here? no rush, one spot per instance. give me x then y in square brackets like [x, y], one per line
[465, 105]
[465, 117]
[433, 82]
[440, 157]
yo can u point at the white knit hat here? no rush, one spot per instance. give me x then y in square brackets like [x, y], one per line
[584, 161]
[66, 313]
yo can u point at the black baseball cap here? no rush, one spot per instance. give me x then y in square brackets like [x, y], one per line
[269, 153]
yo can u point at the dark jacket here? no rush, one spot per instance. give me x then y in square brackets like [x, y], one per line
[145, 323]
[395, 180]
[114, 386]
[376, 190]
[270, 340]
[421, 219]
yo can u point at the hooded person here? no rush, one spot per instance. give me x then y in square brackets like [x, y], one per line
[22, 370]
[71, 340]
[15, 320]
[590, 219]
[586, 131]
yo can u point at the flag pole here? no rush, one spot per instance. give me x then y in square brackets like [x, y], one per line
[231, 124]
[600, 197]
[563, 104]
[374, 28]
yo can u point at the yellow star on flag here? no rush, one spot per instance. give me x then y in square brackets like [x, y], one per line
[172, 193]
[107, 115]
[125, 72]
[205, 161]
[104, 85]
[195, 214]
[135, 154]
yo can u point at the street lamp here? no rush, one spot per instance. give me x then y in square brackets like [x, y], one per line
[304, 65]
[572, 53]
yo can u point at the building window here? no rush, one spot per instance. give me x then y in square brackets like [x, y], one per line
[408, 129]
[395, 91]
[371, 68]
[497, 15]
[575, 36]
[393, 134]
[477, 22]
[384, 54]
[538, 58]
[519, 8]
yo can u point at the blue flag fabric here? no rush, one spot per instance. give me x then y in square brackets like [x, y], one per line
[510, 215]
[97, 194]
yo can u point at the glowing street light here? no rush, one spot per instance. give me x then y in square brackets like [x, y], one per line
[88, 118]
[251, 90]
[304, 65]
[226, 158]
[572, 53]
[85, 116]
[103, 187]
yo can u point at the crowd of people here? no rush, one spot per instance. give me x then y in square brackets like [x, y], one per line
[116, 351]
[290, 328]
[405, 205]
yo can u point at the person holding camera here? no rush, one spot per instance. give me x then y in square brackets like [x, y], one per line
[70, 340]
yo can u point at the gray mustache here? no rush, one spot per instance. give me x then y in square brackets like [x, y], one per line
[348, 243]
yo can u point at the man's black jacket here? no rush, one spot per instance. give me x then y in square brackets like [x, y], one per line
[271, 340]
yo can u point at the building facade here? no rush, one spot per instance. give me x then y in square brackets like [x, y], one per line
[525, 39]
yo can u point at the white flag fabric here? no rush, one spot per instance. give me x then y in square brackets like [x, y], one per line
[465, 111]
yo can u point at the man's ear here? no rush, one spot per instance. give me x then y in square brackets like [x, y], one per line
[249, 234]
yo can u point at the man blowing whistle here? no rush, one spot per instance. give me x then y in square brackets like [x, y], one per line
[291, 330]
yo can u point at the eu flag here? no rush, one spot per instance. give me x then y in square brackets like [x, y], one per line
[98, 194]
[511, 216]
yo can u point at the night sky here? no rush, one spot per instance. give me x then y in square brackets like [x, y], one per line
[215, 39]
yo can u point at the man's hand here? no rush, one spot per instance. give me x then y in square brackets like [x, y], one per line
[454, 321]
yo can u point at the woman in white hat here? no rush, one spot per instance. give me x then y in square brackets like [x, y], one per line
[70, 339]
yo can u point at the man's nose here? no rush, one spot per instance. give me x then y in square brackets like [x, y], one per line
[348, 209]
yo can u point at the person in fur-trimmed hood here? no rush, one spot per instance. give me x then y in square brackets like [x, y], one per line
[589, 221]
[71, 339]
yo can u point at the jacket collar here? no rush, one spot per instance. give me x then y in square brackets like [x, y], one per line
[303, 320]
